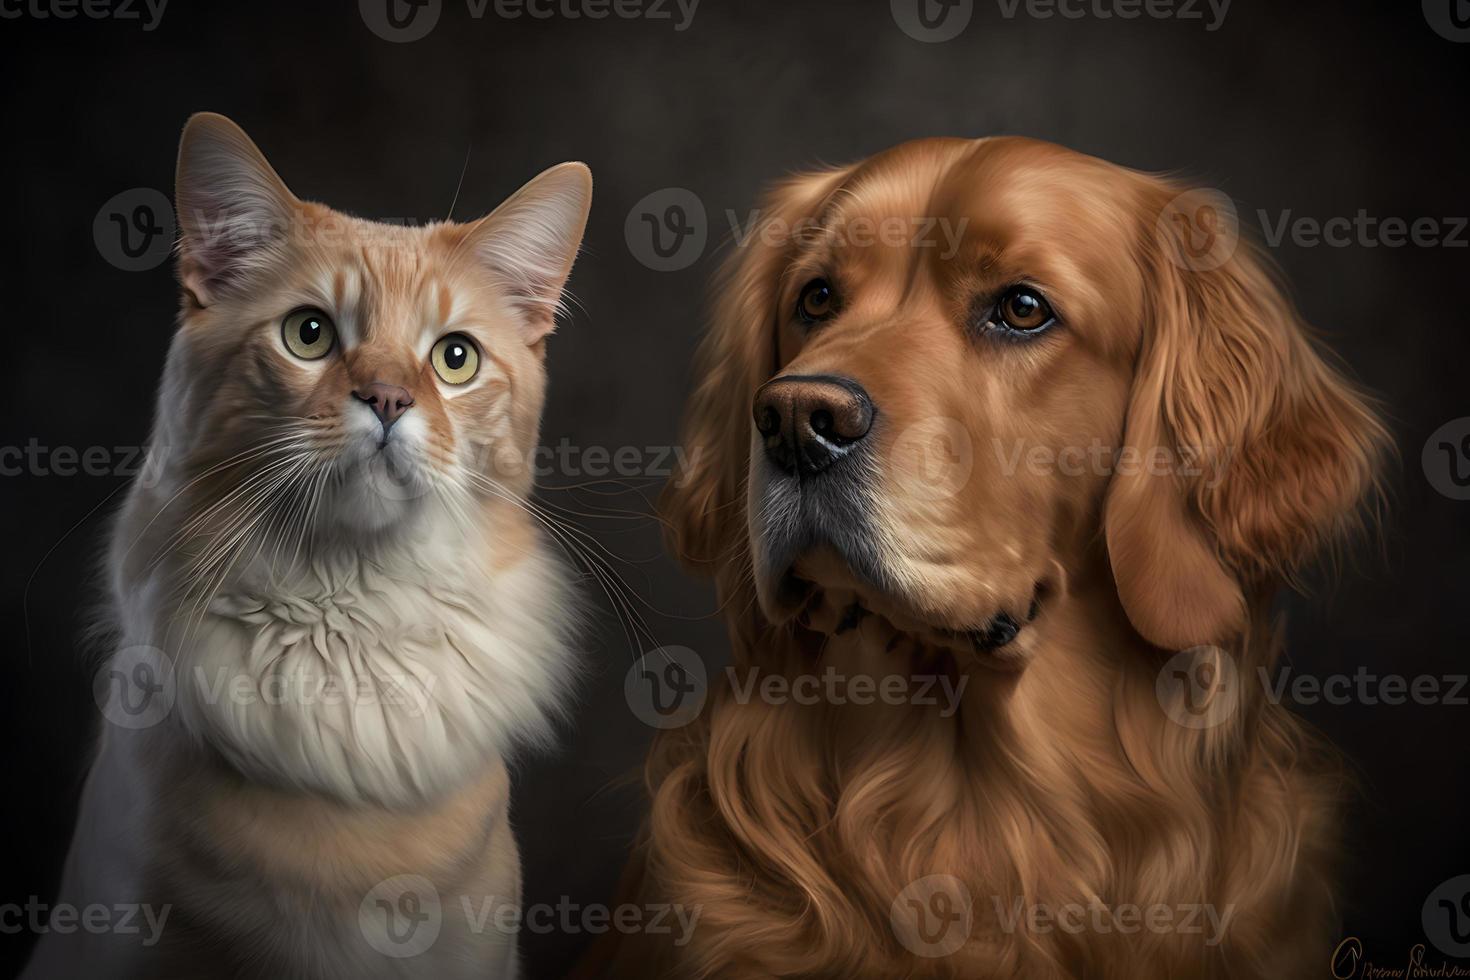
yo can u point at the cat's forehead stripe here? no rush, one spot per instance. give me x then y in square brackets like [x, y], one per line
[385, 288]
[446, 303]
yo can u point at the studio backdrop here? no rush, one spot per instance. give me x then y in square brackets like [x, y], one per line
[1332, 133]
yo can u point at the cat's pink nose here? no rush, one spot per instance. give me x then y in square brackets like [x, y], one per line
[388, 402]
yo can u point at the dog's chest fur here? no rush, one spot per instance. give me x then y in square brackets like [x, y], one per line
[1034, 824]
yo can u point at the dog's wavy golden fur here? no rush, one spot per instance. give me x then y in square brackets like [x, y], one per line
[1071, 786]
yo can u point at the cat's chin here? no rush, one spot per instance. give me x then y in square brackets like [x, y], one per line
[380, 486]
[359, 507]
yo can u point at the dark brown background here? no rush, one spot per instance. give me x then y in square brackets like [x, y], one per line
[1319, 108]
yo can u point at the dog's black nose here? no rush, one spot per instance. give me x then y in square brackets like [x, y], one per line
[808, 421]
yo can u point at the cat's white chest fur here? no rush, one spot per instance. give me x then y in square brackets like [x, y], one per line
[382, 677]
[366, 697]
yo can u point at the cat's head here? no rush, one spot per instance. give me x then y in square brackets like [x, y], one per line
[362, 372]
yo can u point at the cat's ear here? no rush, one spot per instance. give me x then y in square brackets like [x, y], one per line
[234, 212]
[530, 242]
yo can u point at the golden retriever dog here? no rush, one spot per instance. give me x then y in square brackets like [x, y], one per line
[998, 419]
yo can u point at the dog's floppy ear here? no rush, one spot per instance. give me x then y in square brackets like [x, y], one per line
[702, 503]
[1278, 449]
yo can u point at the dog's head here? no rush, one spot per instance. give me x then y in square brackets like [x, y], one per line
[939, 380]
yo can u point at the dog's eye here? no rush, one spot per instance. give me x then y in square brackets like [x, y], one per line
[817, 302]
[1023, 310]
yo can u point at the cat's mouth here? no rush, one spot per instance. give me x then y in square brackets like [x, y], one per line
[380, 476]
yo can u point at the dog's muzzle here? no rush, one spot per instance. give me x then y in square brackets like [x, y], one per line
[808, 422]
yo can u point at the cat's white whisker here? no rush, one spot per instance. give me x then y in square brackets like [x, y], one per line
[355, 634]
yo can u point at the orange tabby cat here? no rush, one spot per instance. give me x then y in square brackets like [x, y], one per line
[334, 614]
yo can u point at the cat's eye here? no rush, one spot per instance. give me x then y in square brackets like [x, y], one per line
[455, 358]
[817, 302]
[1023, 310]
[308, 333]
